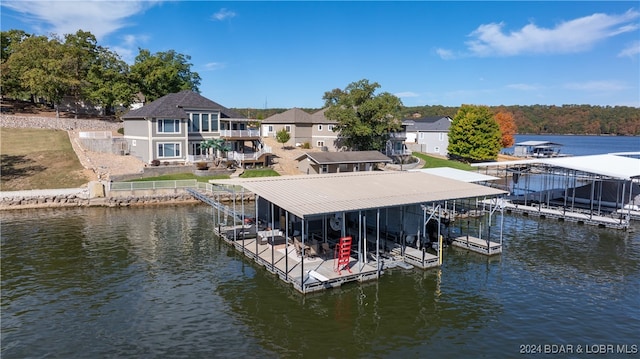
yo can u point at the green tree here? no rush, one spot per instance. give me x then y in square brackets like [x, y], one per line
[40, 65]
[163, 73]
[10, 84]
[217, 145]
[474, 135]
[283, 136]
[364, 118]
[109, 81]
[80, 55]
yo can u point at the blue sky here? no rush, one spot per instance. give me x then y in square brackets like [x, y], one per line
[288, 54]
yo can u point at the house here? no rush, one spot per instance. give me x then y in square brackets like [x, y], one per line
[172, 128]
[396, 147]
[429, 134]
[312, 129]
[334, 162]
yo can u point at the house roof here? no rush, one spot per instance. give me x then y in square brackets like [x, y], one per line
[298, 116]
[430, 124]
[173, 105]
[310, 195]
[325, 158]
[292, 116]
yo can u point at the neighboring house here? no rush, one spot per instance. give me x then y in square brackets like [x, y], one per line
[304, 128]
[396, 147]
[172, 128]
[429, 134]
[334, 162]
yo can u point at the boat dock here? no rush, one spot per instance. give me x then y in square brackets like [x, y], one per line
[477, 245]
[321, 231]
[599, 190]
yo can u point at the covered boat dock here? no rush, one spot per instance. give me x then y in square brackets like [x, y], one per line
[602, 190]
[320, 231]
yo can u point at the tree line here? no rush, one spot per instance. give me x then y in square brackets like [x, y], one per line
[51, 68]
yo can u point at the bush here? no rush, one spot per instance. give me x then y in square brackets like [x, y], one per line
[202, 165]
[121, 130]
[155, 163]
[306, 145]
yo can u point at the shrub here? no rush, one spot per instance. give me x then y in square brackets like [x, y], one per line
[202, 165]
[121, 130]
[306, 145]
[155, 163]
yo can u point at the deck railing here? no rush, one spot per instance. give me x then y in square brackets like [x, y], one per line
[240, 133]
[239, 156]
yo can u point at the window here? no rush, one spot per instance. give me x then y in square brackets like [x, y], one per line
[168, 126]
[168, 150]
[436, 149]
[287, 128]
[319, 127]
[330, 127]
[215, 118]
[320, 144]
[270, 128]
[205, 122]
[196, 149]
[324, 169]
[194, 124]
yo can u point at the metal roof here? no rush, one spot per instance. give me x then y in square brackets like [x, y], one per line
[456, 174]
[309, 195]
[620, 167]
[537, 143]
[324, 158]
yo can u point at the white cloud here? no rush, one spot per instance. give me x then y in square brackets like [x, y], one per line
[445, 54]
[567, 37]
[596, 86]
[223, 14]
[406, 94]
[631, 50]
[211, 66]
[66, 17]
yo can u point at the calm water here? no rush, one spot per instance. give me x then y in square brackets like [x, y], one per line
[586, 145]
[154, 282]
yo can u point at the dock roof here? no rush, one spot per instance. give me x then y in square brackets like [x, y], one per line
[610, 165]
[310, 195]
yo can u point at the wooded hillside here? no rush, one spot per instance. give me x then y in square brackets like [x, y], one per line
[535, 119]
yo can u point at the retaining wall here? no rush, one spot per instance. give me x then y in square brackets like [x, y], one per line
[59, 123]
[84, 197]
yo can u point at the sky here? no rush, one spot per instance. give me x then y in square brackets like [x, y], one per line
[272, 54]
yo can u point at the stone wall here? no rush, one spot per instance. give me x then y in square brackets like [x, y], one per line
[80, 197]
[58, 123]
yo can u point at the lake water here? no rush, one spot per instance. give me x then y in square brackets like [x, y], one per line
[586, 145]
[155, 282]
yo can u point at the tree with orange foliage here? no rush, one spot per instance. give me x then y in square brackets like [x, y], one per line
[507, 128]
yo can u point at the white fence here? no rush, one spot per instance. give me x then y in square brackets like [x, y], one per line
[97, 135]
[147, 185]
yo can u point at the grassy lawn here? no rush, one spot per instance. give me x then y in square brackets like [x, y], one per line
[260, 172]
[180, 176]
[431, 162]
[38, 159]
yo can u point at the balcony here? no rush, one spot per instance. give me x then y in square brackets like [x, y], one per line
[240, 133]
